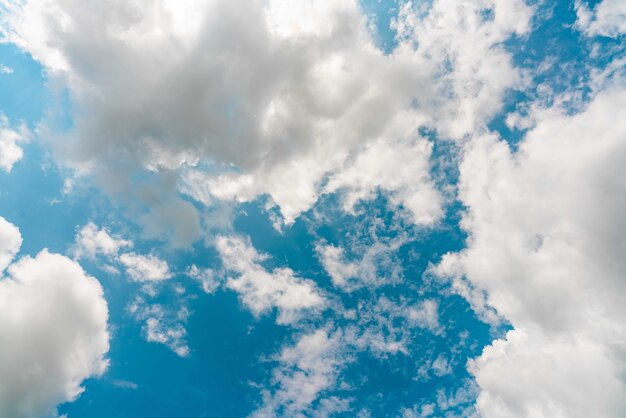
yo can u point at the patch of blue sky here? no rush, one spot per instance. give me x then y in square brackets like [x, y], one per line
[558, 58]
[31, 194]
[226, 343]
[391, 382]
[381, 14]
[23, 87]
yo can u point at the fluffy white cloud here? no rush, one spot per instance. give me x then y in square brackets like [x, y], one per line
[374, 268]
[547, 244]
[261, 290]
[401, 169]
[425, 315]
[265, 97]
[91, 241]
[209, 279]
[608, 18]
[162, 325]
[305, 370]
[53, 326]
[145, 268]
[10, 151]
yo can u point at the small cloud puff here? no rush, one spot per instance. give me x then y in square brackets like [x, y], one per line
[261, 290]
[10, 151]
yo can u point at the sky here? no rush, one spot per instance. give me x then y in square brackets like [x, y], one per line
[312, 208]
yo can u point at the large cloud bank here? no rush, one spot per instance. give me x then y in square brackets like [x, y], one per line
[53, 328]
[265, 97]
[548, 238]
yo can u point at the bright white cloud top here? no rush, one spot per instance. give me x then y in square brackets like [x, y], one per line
[547, 245]
[286, 91]
[446, 188]
[91, 241]
[261, 290]
[53, 326]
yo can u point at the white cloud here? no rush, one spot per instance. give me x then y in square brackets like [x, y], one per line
[425, 315]
[265, 98]
[387, 326]
[162, 325]
[5, 70]
[608, 18]
[209, 279]
[441, 366]
[376, 267]
[91, 241]
[305, 370]
[547, 244]
[10, 243]
[53, 326]
[10, 151]
[125, 384]
[333, 261]
[400, 168]
[455, 403]
[460, 44]
[261, 290]
[145, 268]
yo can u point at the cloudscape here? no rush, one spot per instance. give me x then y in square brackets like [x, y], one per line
[312, 208]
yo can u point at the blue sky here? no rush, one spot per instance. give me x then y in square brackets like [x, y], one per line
[367, 209]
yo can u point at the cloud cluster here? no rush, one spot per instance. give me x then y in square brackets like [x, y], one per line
[254, 98]
[306, 369]
[376, 266]
[53, 326]
[144, 268]
[608, 18]
[547, 244]
[91, 241]
[162, 325]
[261, 290]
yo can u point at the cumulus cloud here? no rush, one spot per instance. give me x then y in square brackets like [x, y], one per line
[91, 241]
[209, 279]
[547, 243]
[53, 323]
[308, 379]
[408, 183]
[608, 18]
[252, 98]
[376, 267]
[389, 326]
[10, 151]
[261, 290]
[425, 315]
[145, 268]
[305, 370]
[367, 254]
[460, 46]
[162, 325]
